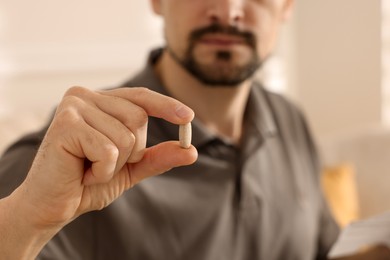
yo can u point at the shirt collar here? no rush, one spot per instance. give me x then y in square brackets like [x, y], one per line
[258, 111]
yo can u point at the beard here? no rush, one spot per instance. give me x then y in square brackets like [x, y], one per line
[230, 74]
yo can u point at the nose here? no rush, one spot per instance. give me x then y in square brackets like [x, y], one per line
[226, 12]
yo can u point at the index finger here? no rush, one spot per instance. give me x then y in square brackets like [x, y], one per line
[155, 104]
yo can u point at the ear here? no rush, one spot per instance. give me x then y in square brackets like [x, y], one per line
[156, 5]
[287, 9]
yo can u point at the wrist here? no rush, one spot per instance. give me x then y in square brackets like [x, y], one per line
[23, 233]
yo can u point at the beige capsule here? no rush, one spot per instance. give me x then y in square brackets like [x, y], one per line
[185, 135]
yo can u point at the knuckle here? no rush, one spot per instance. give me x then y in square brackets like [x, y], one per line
[138, 118]
[68, 111]
[141, 93]
[141, 90]
[110, 153]
[77, 91]
[127, 141]
[141, 117]
[66, 118]
[72, 91]
[70, 100]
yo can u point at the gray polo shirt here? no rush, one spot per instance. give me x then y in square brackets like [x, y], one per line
[261, 200]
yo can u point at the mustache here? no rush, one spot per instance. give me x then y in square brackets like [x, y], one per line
[248, 37]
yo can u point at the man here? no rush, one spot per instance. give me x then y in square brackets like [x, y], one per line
[253, 193]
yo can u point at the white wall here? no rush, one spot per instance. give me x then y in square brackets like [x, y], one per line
[338, 72]
[47, 46]
[337, 63]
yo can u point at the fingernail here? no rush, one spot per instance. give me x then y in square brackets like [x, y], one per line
[183, 112]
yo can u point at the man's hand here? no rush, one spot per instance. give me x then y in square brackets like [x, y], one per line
[95, 149]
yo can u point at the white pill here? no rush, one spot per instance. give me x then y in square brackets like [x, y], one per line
[185, 134]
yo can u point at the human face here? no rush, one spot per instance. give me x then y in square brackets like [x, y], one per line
[221, 42]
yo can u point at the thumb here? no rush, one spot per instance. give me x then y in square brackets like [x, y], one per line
[161, 158]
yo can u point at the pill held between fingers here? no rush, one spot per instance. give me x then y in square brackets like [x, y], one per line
[185, 134]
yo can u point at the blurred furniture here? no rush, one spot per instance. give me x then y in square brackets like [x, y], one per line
[340, 188]
[357, 162]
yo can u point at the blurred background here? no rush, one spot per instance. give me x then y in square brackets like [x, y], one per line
[333, 60]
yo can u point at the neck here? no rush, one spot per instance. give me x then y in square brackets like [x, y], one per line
[220, 109]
